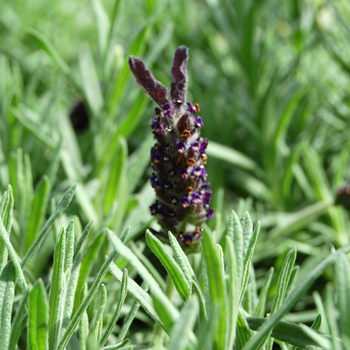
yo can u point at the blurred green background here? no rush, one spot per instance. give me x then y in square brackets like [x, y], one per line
[272, 81]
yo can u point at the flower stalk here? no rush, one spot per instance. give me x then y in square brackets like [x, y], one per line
[178, 156]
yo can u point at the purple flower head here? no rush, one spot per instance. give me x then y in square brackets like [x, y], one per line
[178, 157]
[185, 202]
[199, 121]
[195, 146]
[204, 145]
[196, 198]
[210, 214]
[183, 174]
[191, 108]
[181, 147]
[207, 196]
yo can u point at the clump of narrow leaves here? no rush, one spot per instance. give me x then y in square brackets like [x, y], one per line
[179, 155]
[219, 306]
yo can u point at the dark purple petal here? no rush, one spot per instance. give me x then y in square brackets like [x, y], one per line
[167, 109]
[154, 209]
[185, 202]
[191, 108]
[159, 129]
[199, 121]
[206, 184]
[181, 147]
[183, 174]
[197, 171]
[178, 87]
[158, 158]
[154, 122]
[196, 198]
[207, 196]
[195, 146]
[186, 239]
[210, 215]
[203, 146]
[146, 79]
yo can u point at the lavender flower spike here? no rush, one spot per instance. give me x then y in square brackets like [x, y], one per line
[178, 157]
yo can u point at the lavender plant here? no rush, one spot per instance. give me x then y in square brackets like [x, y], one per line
[178, 157]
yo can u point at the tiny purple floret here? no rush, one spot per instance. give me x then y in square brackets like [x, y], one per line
[181, 147]
[196, 198]
[183, 174]
[195, 146]
[185, 202]
[191, 108]
[199, 121]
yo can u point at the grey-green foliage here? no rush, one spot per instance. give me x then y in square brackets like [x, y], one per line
[212, 309]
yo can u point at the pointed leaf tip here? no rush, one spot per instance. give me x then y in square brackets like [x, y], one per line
[145, 78]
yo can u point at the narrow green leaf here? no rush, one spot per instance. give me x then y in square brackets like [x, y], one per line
[38, 211]
[150, 267]
[169, 263]
[117, 346]
[86, 301]
[316, 326]
[126, 253]
[318, 339]
[97, 327]
[83, 237]
[130, 317]
[17, 323]
[231, 156]
[260, 309]
[61, 207]
[91, 86]
[289, 302]
[13, 256]
[84, 322]
[138, 162]
[69, 249]
[282, 285]
[181, 330]
[86, 265]
[247, 228]
[46, 45]
[234, 230]
[57, 292]
[342, 275]
[216, 287]
[243, 332]
[289, 333]
[138, 293]
[248, 258]
[103, 25]
[136, 48]
[7, 293]
[233, 292]
[37, 323]
[122, 295]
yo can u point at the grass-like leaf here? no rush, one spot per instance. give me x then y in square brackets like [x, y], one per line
[181, 330]
[342, 274]
[38, 211]
[38, 318]
[289, 333]
[260, 309]
[57, 291]
[13, 256]
[7, 293]
[295, 295]
[181, 283]
[61, 207]
[122, 295]
[216, 288]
